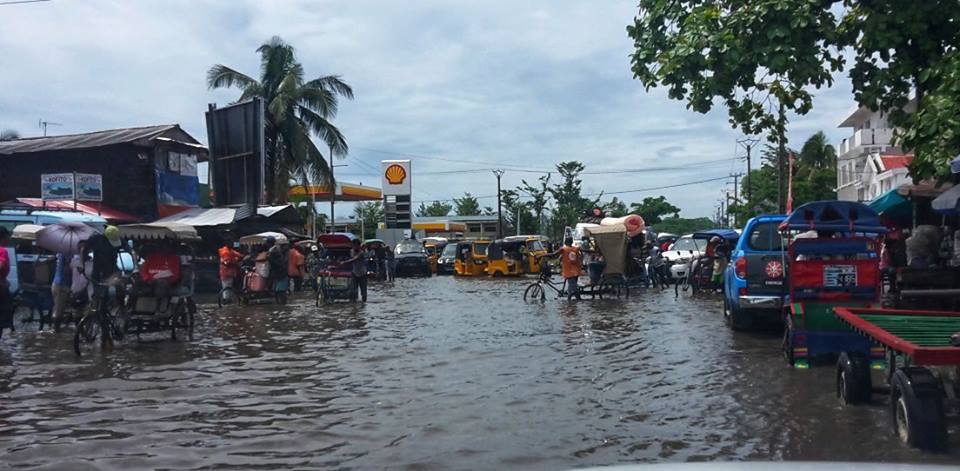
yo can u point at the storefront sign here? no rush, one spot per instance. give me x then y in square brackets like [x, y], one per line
[57, 186]
[89, 187]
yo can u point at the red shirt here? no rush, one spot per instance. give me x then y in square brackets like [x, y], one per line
[161, 266]
[229, 262]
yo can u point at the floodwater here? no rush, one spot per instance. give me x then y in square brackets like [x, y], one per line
[438, 373]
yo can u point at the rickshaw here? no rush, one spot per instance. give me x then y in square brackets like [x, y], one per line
[137, 310]
[336, 283]
[922, 352]
[505, 258]
[434, 247]
[377, 266]
[533, 250]
[610, 242]
[698, 274]
[35, 267]
[471, 258]
[254, 284]
[831, 261]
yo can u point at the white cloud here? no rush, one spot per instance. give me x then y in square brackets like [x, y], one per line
[527, 84]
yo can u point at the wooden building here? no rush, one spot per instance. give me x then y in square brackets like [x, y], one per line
[149, 172]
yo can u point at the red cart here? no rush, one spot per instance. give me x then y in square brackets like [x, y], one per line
[922, 368]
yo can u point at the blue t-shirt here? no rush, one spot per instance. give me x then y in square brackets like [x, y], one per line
[62, 275]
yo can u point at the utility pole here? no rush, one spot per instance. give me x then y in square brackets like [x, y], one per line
[748, 144]
[781, 151]
[499, 173]
[333, 193]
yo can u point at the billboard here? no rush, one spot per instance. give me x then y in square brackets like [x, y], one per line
[57, 186]
[237, 153]
[89, 186]
[396, 177]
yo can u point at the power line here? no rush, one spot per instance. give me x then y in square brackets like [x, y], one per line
[18, 2]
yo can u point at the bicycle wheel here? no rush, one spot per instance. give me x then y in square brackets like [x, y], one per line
[534, 293]
[86, 333]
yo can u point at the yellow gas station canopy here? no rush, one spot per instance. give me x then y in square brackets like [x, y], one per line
[344, 192]
[439, 226]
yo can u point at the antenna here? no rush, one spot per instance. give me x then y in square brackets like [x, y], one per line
[43, 125]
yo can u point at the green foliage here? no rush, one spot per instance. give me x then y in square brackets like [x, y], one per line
[570, 204]
[653, 209]
[747, 55]
[755, 55]
[814, 179]
[436, 208]
[295, 109]
[372, 215]
[681, 226]
[467, 205]
[615, 208]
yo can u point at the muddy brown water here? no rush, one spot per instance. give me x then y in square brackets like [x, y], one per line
[437, 373]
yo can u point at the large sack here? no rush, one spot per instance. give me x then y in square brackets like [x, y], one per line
[632, 222]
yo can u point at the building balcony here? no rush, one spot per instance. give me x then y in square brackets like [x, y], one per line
[865, 141]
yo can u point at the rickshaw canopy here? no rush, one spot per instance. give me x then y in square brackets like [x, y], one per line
[374, 241]
[257, 239]
[611, 241]
[729, 235]
[337, 239]
[159, 231]
[840, 216]
[26, 231]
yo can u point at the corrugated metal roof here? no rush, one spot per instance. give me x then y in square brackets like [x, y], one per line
[203, 217]
[85, 140]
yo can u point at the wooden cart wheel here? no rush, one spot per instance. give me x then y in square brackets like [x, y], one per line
[916, 406]
[853, 378]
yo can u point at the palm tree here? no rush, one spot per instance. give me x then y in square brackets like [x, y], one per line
[818, 153]
[295, 108]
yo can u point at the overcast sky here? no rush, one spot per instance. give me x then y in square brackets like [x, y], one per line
[513, 83]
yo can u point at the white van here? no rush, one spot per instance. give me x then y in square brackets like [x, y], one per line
[12, 217]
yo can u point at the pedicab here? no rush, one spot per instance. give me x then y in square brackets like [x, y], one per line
[471, 259]
[504, 258]
[137, 308]
[832, 261]
[257, 283]
[35, 270]
[335, 282]
[608, 271]
[922, 368]
[699, 272]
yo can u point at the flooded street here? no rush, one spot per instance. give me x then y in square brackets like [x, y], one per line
[441, 373]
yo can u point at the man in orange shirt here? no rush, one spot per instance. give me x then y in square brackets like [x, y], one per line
[295, 264]
[229, 266]
[571, 261]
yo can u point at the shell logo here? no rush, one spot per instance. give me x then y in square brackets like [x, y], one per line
[395, 174]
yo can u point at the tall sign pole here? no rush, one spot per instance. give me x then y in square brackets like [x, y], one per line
[499, 173]
[333, 193]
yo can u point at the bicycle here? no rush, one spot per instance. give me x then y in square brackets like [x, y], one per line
[537, 291]
[100, 321]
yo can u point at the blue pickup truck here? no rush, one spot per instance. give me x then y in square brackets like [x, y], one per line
[754, 286]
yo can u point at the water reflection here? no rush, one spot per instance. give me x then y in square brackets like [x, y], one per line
[432, 374]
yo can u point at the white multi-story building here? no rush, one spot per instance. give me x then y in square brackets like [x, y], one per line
[867, 163]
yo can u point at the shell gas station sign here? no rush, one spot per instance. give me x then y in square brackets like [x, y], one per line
[396, 177]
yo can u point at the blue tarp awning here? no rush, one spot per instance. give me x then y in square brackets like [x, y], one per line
[840, 216]
[728, 234]
[893, 206]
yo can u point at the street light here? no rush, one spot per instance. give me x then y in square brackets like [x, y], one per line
[499, 173]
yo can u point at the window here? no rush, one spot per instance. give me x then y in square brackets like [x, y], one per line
[177, 162]
[765, 236]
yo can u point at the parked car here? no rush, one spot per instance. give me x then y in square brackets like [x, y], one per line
[447, 258]
[681, 252]
[411, 259]
[754, 282]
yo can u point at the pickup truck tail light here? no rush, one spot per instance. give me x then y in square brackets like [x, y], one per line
[741, 267]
